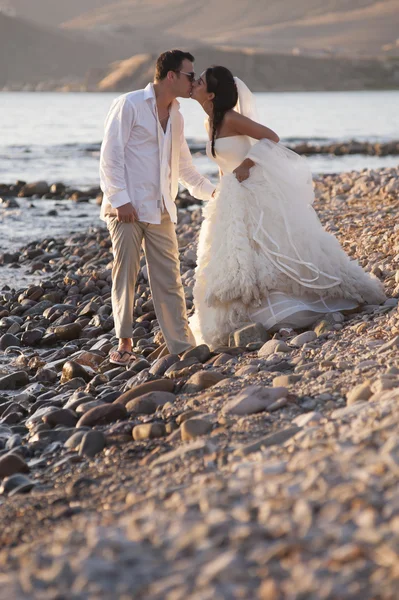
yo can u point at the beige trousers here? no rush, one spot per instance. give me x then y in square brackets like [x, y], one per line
[162, 255]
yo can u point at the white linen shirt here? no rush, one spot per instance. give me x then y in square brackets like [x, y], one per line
[141, 164]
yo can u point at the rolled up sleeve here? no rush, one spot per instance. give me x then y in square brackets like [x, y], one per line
[118, 126]
[198, 185]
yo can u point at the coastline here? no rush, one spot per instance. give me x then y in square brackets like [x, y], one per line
[71, 209]
[98, 480]
[262, 71]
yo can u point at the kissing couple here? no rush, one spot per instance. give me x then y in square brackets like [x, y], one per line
[263, 255]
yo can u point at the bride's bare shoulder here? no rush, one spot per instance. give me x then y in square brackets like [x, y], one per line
[231, 123]
[231, 116]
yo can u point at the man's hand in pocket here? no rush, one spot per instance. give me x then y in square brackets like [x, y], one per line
[127, 213]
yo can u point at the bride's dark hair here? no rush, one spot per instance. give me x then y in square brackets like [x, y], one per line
[220, 81]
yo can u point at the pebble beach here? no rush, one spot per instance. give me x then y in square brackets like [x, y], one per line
[266, 469]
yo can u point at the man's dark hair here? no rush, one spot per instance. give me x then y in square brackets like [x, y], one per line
[171, 60]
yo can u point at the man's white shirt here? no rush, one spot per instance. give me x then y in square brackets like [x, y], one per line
[142, 164]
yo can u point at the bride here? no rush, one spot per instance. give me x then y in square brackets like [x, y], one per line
[263, 255]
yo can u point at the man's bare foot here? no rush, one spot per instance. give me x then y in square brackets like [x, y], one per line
[124, 354]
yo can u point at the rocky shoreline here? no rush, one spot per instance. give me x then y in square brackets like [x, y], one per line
[345, 148]
[45, 191]
[29, 210]
[265, 469]
[350, 147]
[336, 149]
[42, 190]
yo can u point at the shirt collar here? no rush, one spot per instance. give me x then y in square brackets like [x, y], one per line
[149, 93]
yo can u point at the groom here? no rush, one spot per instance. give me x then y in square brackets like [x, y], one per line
[143, 156]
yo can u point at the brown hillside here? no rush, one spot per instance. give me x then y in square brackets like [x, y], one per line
[340, 26]
[290, 32]
[30, 54]
[264, 72]
[53, 12]
[367, 27]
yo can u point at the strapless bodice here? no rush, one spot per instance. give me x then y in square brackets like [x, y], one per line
[230, 151]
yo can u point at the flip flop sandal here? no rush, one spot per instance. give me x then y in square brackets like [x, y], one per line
[121, 362]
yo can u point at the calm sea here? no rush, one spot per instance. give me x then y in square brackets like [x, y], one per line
[56, 137]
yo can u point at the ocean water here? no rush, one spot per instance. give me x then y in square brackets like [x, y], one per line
[57, 137]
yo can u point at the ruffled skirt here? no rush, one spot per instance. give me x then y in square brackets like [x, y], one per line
[263, 255]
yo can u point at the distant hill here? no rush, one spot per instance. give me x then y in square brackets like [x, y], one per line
[366, 27]
[340, 26]
[52, 12]
[278, 44]
[31, 54]
[267, 72]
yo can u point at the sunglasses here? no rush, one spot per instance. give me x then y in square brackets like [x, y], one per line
[191, 75]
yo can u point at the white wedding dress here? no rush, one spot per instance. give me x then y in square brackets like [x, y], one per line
[263, 255]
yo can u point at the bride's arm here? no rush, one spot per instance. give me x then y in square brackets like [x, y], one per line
[243, 126]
